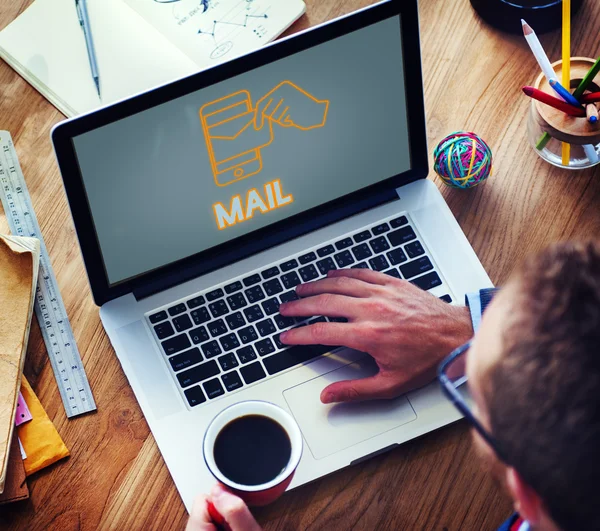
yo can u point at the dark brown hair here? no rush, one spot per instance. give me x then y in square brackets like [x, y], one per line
[544, 394]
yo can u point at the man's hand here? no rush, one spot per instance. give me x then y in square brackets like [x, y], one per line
[234, 511]
[407, 331]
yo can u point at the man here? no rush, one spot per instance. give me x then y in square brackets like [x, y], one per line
[533, 372]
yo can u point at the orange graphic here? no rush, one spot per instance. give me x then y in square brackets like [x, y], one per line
[236, 132]
[239, 211]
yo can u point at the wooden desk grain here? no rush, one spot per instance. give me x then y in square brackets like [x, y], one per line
[116, 478]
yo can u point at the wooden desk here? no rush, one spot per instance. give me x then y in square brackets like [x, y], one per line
[116, 477]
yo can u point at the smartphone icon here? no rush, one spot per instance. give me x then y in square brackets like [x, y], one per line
[232, 141]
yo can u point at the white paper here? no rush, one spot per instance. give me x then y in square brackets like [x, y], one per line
[23, 454]
[212, 31]
[46, 46]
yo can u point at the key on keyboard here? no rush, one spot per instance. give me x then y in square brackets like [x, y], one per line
[293, 356]
[211, 349]
[215, 294]
[428, 281]
[253, 313]
[246, 354]
[416, 267]
[160, 316]
[198, 373]
[194, 396]
[175, 344]
[213, 388]
[344, 259]
[324, 251]
[326, 265]
[164, 330]
[235, 286]
[253, 372]
[270, 273]
[185, 359]
[232, 381]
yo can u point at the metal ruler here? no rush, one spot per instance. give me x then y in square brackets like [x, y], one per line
[49, 307]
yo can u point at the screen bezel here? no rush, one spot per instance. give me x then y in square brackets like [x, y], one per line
[276, 233]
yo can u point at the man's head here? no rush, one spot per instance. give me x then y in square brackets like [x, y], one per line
[534, 373]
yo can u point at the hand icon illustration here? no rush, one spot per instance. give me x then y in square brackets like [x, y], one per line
[290, 106]
[236, 131]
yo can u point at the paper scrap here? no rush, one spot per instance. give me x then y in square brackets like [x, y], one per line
[41, 441]
[23, 454]
[23, 413]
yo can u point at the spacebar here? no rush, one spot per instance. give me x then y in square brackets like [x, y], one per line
[293, 356]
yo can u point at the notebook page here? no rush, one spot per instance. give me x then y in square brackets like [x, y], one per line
[46, 45]
[213, 31]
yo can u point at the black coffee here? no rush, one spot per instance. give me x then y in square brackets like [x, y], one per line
[252, 450]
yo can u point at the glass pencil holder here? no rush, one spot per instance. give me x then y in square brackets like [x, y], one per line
[552, 133]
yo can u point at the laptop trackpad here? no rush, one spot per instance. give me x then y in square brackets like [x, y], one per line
[329, 428]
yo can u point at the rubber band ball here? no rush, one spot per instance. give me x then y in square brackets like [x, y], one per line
[463, 160]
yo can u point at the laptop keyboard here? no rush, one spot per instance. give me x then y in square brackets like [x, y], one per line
[226, 338]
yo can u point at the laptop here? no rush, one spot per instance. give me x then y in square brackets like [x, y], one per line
[200, 205]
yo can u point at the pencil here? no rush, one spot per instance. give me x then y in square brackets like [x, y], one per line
[544, 63]
[546, 98]
[538, 51]
[566, 64]
[592, 97]
[592, 113]
[589, 77]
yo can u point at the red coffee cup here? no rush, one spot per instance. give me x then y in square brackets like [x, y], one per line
[269, 491]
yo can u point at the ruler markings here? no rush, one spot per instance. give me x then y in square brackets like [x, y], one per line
[50, 310]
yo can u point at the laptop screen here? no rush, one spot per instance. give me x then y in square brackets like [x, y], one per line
[205, 168]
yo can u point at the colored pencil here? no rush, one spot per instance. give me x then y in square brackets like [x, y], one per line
[566, 66]
[592, 113]
[546, 98]
[589, 77]
[538, 51]
[592, 97]
[544, 63]
[543, 141]
[564, 93]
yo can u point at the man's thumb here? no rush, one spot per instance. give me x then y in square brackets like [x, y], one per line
[356, 390]
[234, 511]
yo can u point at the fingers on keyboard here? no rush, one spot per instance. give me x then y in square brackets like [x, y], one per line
[229, 337]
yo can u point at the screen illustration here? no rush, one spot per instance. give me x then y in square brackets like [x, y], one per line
[236, 131]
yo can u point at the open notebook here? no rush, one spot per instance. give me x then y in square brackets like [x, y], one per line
[140, 44]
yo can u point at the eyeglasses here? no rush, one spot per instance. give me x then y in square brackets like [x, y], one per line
[453, 379]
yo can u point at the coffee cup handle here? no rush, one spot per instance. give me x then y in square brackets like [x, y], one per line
[217, 518]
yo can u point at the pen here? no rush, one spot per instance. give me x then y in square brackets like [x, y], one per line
[84, 21]
[218, 521]
[592, 97]
[564, 93]
[554, 102]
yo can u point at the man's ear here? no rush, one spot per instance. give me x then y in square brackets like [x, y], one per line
[527, 502]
